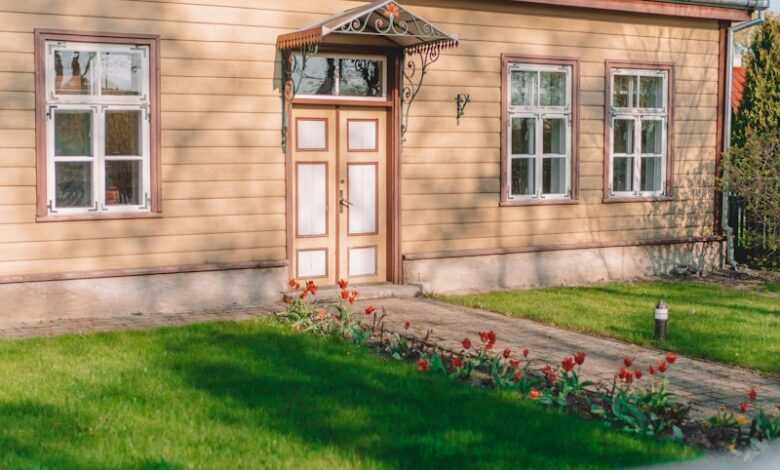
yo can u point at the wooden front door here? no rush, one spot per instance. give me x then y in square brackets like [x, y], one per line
[339, 194]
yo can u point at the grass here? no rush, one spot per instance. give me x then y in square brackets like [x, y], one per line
[773, 287]
[706, 320]
[256, 395]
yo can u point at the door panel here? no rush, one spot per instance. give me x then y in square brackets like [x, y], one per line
[363, 208]
[340, 194]
[314, 179]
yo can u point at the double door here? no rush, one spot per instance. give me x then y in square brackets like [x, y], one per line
[339, 181]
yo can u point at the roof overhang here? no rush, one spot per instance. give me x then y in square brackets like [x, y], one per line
[725, 10]
[384, 19]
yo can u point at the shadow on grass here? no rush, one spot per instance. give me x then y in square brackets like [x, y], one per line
[386, 413]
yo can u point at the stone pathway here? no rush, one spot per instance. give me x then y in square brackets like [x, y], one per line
[706, 385]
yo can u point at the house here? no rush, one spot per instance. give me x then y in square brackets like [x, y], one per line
[160, 156]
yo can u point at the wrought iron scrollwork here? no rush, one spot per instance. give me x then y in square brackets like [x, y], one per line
[416, 67]
[293, 62]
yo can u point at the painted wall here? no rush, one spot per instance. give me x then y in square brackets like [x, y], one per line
[222, 163]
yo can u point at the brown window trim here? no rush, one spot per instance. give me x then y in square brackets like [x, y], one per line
[506, 59]
[155, 186]
[668, 195]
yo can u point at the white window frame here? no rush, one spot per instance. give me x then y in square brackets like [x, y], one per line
[98, 105]
[336, 86]
[539, 114]
[638, 116]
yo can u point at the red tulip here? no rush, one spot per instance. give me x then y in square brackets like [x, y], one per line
[638, 374]
[457, 362]
[623, 373]
[579, 358]
[662, 366]
[744, 407]
[422, 365]
[294, 284]
[628, 361]
[525, 352]
[753, 394]
[344, 294]
[534, 394]
[507, 352]
[517, 376]
[514, 363]
[303, 295]
[343, 283]
[466, 344]
[311, 287]
[671, 358]
[550, 375]
[353, 297]
[568, 364]
[407, 324]
[651, 370]
[369, 310]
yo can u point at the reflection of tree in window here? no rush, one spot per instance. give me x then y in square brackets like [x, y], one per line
[72, 80]
[360, 77]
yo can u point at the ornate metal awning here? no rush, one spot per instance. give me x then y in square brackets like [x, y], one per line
[383, 18]
[420, 41]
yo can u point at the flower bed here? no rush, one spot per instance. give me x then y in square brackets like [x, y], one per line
[636, 401]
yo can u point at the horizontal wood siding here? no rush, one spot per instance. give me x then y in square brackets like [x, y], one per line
[223, 183]
[451, 171]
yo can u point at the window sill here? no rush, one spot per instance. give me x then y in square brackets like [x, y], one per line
[87, 217]
[623, 199]
[538, 202]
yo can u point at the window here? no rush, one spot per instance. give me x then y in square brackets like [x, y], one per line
[638, 134]
[340, 76]
[97, 121]
[539, 131]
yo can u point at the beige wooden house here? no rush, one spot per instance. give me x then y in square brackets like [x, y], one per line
[160, 156]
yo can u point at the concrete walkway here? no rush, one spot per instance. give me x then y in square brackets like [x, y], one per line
[706, 385]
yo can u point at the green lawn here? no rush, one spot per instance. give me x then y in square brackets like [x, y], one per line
[256, 395]
[706, 320]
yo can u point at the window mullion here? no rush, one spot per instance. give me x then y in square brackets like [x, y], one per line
[99, 166]
[539, 154]
[638, 154]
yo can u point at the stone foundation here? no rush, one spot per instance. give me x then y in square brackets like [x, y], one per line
[558, 268]
[148, 294]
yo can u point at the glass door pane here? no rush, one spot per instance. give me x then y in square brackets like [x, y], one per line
[623, 174]
[73, 133]
[523, 136]
[73, 184]
[553, 89]
[122, 73]
[523, 176]
[624, 91]
[74, 72]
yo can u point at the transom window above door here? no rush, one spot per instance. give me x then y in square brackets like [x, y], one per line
[539, 131]
[340, 76]
[639, 122]
[98, 132]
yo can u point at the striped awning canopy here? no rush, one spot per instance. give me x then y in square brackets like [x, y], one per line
[384, 18]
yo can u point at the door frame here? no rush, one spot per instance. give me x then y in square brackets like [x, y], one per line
[393, 106]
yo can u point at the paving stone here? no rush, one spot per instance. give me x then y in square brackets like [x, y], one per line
[709, 385]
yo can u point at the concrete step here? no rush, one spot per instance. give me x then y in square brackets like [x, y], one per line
[383, 290]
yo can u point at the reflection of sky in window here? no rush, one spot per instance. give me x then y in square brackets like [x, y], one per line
[120, 72]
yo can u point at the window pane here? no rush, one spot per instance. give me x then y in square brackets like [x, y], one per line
[651, 174]
[554, 136]
[73, 184]
[523, 136]
[623, 140]
[553, 89]
[624, 94]
[360, 77]
[523, 85]
[123, 182]
[623, 174]
[123, 133]
[523, 176]
[319, 78]
[122, 73]
[73, 133]
[74, 72]
[554, 176]
[651, 92]
[652, 137]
